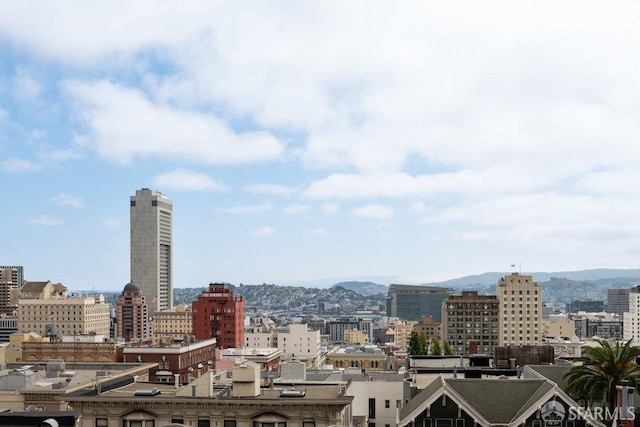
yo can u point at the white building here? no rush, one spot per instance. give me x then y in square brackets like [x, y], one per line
[632, 317]
[151, 247]
[300, 343]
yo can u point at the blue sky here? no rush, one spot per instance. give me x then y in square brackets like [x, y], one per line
[405, 141]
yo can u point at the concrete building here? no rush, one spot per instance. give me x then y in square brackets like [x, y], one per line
[219, 314]
[212, 400]
[367, 357]
[520, 318]
[409, 302]
[354, 336]
[132, 315]
[299, 343]
[601, 325]
[401, 332]
[8, 326]
[336, 327]
[10, 283]
[151, 247]
[470, 323]
[46, 309]
[632, 316]
[559, 326]
[175, 323]
[617, 300]
[17, 273]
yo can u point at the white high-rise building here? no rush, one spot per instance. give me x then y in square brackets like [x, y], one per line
[520, 312]
[151, 247]
[631, 318]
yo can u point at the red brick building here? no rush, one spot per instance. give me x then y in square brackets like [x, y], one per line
[219, 314]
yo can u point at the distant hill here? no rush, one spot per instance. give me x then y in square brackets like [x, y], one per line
[363, 288]
[600, 276]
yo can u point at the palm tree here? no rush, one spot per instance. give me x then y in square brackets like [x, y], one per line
[604, 367]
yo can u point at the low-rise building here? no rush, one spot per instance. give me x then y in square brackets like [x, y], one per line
[363, 357]
[174, 324]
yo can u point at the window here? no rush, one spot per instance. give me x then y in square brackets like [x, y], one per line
[229, 423]
[398, 403]
[372, 408]
[308, 424]
[386, 404]
[204, 423]
[102, 422]
[177, 421]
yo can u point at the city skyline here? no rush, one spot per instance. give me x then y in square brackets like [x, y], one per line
[415, 142]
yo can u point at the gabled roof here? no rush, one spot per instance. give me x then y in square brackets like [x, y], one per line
[504, 402]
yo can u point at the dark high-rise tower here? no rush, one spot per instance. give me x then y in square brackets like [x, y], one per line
[151, 247]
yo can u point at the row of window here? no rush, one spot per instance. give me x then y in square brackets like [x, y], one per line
[202, 422]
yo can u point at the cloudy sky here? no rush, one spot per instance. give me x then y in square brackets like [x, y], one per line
[419, 141]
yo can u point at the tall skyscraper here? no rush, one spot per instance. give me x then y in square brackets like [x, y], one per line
[132, 315]
[520, 315]
[151, 247]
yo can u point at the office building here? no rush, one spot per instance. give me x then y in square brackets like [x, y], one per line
[337, 327]
[132, 315]
[300, 343]
[17, 273]
[586, 305]
[520, 318]
[601, 325]
[470, 323]
[632, 316]
[218, 313]
[429, 327]
[409, 302]
[175, 324]
[617, 300]
[10, 283]
[151, 247]
[45, 308]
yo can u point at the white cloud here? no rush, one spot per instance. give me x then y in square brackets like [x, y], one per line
[418, 207]
[25, 87]
[125, 124]
[184, 180]
[373, 211]
[45, 220]
[296, 208]
[317, 232]
[249, 209]
[330, 208]
[270, 189]
[264, 232]
[19, 165]
[64, 199]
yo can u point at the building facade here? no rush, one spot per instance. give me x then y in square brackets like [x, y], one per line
[132, 315]
[429, 327]
[587, 305]
[632, 316]
[218, 313]
[151, 247]
[470, 323]
[617, 300]
[298, 342]
[45, 308]
[11, 278]
[409, 302]
[175, 323]
[520, 318]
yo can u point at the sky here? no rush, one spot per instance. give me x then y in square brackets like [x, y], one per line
[321, 140]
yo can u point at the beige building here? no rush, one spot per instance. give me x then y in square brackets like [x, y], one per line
[365, 357]
[353, 336]
[175, 323]
[470, 323]
[209, 401]
[559, 327]
[16, 343]
[520, 313]
[401, 331]
[428, 326]
[45, 308]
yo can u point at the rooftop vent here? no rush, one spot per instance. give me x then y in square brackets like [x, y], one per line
[292, 393]
[147, 392]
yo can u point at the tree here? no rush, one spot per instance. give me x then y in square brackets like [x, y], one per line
[602, 368]
[422, 339]
[447, 349]
[435, 346]
[414, 343]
